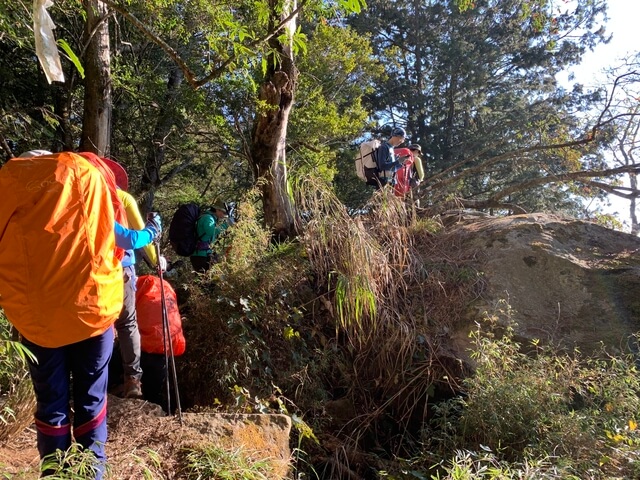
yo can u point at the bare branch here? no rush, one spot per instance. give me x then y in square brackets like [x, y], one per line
[169, 50]
[498, 158]
[571, 176]
[590, 137]
[615, 190]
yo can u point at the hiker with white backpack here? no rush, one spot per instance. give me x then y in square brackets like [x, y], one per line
[387, 162]
[376, 163]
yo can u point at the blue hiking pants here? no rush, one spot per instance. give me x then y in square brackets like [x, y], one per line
[80, 368]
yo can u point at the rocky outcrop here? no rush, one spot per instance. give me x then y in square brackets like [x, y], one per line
[145, 443]
[259, 436]
[568, 281]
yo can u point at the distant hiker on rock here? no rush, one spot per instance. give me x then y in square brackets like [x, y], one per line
[411, 173]
[65, 300]
[386, 160]
[418, 174]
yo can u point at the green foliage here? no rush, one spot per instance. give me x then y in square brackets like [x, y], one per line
[607, 220]
[539, 411]
[16, 392]
[466, 465]
[31, 109]
[335, 74]
[75, 463]
[214, 462]
[72, 56]
[151, 464]
[254, 302]
[354, 6]
[15, 22]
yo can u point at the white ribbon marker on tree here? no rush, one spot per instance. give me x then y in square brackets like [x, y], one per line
[46, 47]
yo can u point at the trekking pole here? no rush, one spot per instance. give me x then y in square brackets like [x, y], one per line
[166, 335]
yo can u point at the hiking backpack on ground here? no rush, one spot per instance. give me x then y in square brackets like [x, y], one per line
[182, 229]
[366, 161]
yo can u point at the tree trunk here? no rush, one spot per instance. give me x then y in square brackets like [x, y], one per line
[635, 228]
[96, 125]
[268, 154]
[156, 152]
[62, 109]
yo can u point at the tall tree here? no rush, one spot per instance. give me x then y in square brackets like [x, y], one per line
[96, 125]
[476, 86]
[269, 137]
[224, 39]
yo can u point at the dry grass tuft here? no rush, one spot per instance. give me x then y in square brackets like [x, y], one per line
[17, 407]
[397, 293]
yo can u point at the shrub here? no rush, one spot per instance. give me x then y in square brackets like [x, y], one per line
[17, 399]
[214, 462]
[546, 411]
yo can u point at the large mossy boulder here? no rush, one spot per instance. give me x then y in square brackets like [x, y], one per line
[569, 282]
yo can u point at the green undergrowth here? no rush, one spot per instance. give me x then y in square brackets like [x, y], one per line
[340, 328]
[243, 318]
[212, 462]
[17, 400]
[346, 329]
[539, 413]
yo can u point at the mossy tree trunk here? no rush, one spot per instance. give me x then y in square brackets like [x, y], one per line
[268, 153]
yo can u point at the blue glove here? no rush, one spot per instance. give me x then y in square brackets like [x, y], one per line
[154, 223]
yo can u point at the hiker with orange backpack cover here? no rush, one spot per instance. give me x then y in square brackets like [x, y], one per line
[65, 301]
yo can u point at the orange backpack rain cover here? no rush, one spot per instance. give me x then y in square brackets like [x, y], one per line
[149, 312]
[60, 281]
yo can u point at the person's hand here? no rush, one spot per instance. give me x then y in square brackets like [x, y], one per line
[162, 263]
[154, 223]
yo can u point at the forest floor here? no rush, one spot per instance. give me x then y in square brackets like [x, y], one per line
[139, 436]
